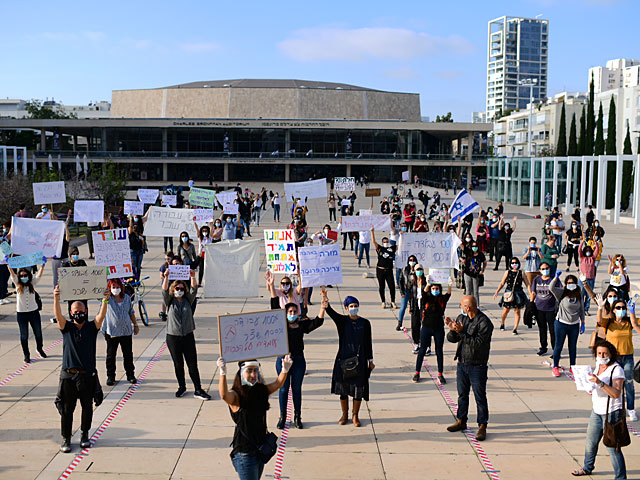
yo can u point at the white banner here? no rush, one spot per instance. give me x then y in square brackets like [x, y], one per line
[147, 195]
[133, 208]
[88, 211]
[82, 283]
[111, 248]
[250, 335]
[433, 249]
[170, 200]
[345, 202]
[344, 184]
[320, 265]
[179, 272]
[29, 235]
[280, 247]
[169, 222]
[355, 223]
[310, 189]
[49, 192]
[232, 269]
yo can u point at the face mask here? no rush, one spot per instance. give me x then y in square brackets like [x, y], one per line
[596, 238]
[24, 279]
[79, 317]
[463, 312]
[326, 232]
[205, 234]
[44, 210]
[474, 249]
[532, 244]
[247, 382]
[574, 226]
[353, 311]
[75, 258]
[587, 254]
[412, 263]
[115, 291]
[228, 220]
[468, 239]
[602, 360]
[135, 220]
[515, 266]
[386, 244]
[611, 300]
[618, 263]
[435, 293]
[621, 313]
[506, 229]
[292, 318]
[481, 221]
[185, 239]
[571, 286]
[596, 224]
[286, 288]
[419, 273]
[422, 219]
[544, 272]
[178, 293]
[404, 229]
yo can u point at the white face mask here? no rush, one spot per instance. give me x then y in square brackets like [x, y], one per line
[602, 360]
[544, 272]
[115, 291]
[326, 232]
[178, 293]
[571, 286]
[386, 244]
[353, 311]
[286, 288]
[463, 312]
[611, 300]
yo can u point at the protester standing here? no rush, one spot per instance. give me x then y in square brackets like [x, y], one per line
[405, 288]
[474, 266]
[546, 307]
[275, 202]
[384, 269]
[532, 257]
[514, 296]
[550, 253]
[27, 308]
[416, 305]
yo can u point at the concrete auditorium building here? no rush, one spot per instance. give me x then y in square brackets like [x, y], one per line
[271, 130]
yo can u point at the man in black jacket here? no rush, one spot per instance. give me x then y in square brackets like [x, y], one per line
[472, 332]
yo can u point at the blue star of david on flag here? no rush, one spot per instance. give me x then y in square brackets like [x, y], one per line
[462, 206]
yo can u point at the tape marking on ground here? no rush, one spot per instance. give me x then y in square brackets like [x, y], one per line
[27, 365]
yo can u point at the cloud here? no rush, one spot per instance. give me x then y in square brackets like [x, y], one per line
[201, 47]
[376, 42]
[448, 74]
[401, 73]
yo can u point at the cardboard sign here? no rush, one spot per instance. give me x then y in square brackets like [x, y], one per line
[345, 202]
[440, 275]
[280, 247]
[405, 176]
[320, 265]
[169, 222]
[5, 249]
[203, 215]
[111, 249]
[229, 264]
[169, 200]
[148, 196]
[179, 272]
[245, 336]
[202, 197]
[82, 283]
[372, 192]
[88, 211]
[49, 192]
[230, 208]
[432, 249]
[30, 235]
[310, 189]
[133, 208]
[353, 223]
[23, 261]
[344, 184]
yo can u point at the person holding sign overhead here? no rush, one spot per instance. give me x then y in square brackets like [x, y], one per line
[384, 269]
[75, 261]
[285, 294]
[354, 361]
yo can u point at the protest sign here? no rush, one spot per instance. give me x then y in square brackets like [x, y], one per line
[88, 211]
[203, 215]
[27, 260]
[440, 275]
[148, 195]
[82, 283]
[202, 197]
[133, 208]
[365, 212]
[345, 202]
[310, 189]
[356, 223]
[30, 235]
[227, 196]
[169, 222]
[320, 265]
[111, 249]
[433, 249]
[251, 335]
[170, 200]
[179, 272]
[281, 251]
[5, 249]
[230, 264]
[49, 192]
[344, 184]
[230, 208]
[372, 192]
[405, 176]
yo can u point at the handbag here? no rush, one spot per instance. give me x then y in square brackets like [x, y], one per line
[349, 366]
[481, 280]
[507, 297]
[269, 446]
[616, 435]
[636, 372]
[38, 301]
[595, 336]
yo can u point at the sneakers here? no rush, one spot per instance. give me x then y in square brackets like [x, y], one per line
[132, 380]
[393, 305]
[555, 372]
[201, 394]
[428, 351]
[515, 332]
[633, 417]
[84, 440]
[163, 316]
[441, 379]
[53, 320]
[416, 378]
[415, 349]
[66, 446]
[541, 352]
[399, 326]
[384, 305]
[180, 391]
[4, 301]
[502, 327]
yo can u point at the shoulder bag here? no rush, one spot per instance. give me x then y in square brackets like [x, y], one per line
[616, 435]
[349, 366]
[636, 372]
[509, 296]
[269, 446]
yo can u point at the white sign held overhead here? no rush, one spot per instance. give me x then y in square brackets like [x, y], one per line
[29, 235]
[440, 275]
[112, 250]
[133, 208]
[45, 193]
[433, 249]
[88, 211]
[405, 176]
[169, 222]
[320, 265]
[82, 283]
[356, 223]
[170, 200]
[229, 264]
[344, 184]
[310, 189]
[230, 208]
[179, 272]
[148, 196]
[203, 215]
[251, 335]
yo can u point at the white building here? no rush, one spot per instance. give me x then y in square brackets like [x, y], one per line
[518, 49]
[16, 108]
[478, 117]
[617, 73]
[627, 100]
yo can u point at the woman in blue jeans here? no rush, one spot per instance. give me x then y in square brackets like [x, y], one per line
[569, 317]
[405, 291]
[607, 401]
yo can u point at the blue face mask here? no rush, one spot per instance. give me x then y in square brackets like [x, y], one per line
[419, 273]
[24, 279]
[475, 249]
[75, 258]
[292, 318]
[44, 210]
[353, 311]
[435, 293]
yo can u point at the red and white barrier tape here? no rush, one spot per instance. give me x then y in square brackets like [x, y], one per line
[76, 461]
[27, 365]
[282, 444]
[489, 468]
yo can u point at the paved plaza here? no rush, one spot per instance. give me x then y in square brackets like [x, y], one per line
[537, 424]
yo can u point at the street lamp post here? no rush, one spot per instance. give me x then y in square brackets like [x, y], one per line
[529, 82]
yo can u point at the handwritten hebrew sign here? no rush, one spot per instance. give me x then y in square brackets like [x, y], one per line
[88, 211]
[179, 272]
[133, 208]
[170, 200]
[169, 222]
[245, 336]
[202, 197]
[440, 275]
[433, 249]
[280, 247]
[344, 184]
[203, 215]
[82, 283]
[320, 265]
[49, 192]
[111, 249]
[354, 223]
[23, 261]
[30, 235]
[148, 195]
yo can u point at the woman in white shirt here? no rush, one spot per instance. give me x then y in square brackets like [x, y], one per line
[27, 308]
[606, 398]
[364, 241]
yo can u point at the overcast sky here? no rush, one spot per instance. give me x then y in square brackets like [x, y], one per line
[78, 52]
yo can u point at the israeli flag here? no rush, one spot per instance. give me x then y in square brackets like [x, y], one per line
[462, 206]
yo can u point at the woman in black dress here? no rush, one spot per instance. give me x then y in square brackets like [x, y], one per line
[514, 295]
[354, 335]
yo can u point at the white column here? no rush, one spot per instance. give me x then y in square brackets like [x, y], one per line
[567, 190]
[15, 160]
[554, 191]
[636, 193]
[543, 182]
[4, 160]
[24, 160]
[602, 185]
[531, 181]
[583, 181]
[590, 185]
[618, 196]
[506, 181]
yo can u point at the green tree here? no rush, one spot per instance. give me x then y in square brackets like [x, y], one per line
[611, 129]
[583, 131]
[36, 109]
[626, 150]
[107, 182]
[591, 122]
[561, 148]
[444, 118]
[572, 149]
[599, 145]
[627, 172]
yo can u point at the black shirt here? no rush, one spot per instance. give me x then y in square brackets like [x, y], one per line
[296, 340]
[434, 308]
[574, 238]
[473, 263]
[386, 256]
[79, 346]
[64, 253]
[384, 208]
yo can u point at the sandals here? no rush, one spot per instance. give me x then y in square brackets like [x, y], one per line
[579, 473]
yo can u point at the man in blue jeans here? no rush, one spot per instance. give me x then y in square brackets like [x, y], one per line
[472, 332]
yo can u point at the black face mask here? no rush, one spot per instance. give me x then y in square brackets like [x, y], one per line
[79, 317]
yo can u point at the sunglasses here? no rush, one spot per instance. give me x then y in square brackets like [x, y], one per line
[619, 308]
[285, 283]
[179, 289]
[24, 276]
[615, 298]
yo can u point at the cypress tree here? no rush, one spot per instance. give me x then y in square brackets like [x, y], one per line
[611, 128]
[627, 172]
[627, 143]
[572, 149]
[599, 145]
[561, 148]
[591, 122]
[583, 130]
